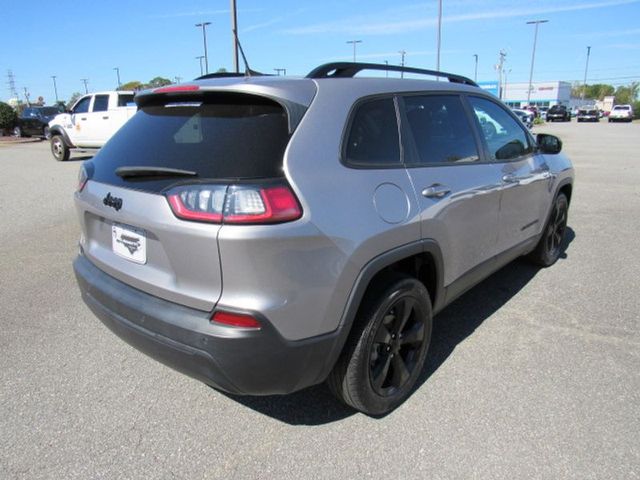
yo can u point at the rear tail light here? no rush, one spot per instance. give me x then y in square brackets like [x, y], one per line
[237, 204]
[84, 175]
[235, 320]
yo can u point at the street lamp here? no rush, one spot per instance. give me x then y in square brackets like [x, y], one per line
[118, 73]
[533, 55]
[204, 39]
[354, 42]
[586, 67]
[439, 35]
[55, 87]
[199, 58]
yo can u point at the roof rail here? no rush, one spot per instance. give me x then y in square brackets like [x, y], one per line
[350, 69]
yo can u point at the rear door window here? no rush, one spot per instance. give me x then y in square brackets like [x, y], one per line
[229, 136]
[101, 103]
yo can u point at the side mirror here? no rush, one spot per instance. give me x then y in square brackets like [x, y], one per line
[548, 143]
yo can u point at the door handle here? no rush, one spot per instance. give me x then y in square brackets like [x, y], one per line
[83, 118]
[106, 118]
[436, 191]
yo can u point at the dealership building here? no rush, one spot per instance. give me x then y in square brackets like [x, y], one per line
[543, 94]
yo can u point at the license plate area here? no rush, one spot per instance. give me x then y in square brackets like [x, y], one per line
[129, 242]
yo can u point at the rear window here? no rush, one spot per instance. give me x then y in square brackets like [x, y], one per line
[222, 137]
[556, 109]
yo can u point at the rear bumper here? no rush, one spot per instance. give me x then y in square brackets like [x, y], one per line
[240, 361]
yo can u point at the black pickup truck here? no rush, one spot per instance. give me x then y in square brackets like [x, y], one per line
[34, 121]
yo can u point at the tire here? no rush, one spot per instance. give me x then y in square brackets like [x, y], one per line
[59, 149]
[386, 350]
[550, 245]
[610, 120]
[17, 132]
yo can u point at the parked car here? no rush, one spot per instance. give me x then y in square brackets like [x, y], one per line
[588, 114]
[92, 121]
[34, 122]
[543, 112]
[559, 113]
[621, 113]
[264, 234]
[532, 109]
[525, 116]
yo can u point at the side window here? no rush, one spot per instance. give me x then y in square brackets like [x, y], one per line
[505, 138]
[82, 106]
[441, 129]
[27, 113]
[101, 103]
[373, 139]
[125, 100]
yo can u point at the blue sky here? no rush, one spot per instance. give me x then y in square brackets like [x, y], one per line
[87, 39]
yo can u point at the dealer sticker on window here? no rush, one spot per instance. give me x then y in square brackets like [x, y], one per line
[129, 242]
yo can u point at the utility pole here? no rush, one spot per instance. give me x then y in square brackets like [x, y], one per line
[12, 84]
[280, 70]
[234, 29]
[199, 58]
[533, 55]
[439, 35]
[118, 73]
[26, 96]
[475, 75]
[354, 42]
[204, 39]
[499, 68]
[85, 81]
[55, 87]
[506, 72]
[586, 68]
[402, 54]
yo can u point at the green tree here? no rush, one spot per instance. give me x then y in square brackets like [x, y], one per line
[7, 117]
[627, 94]
[158, 82]
[596, 91]
[74, 98]
[132, 86]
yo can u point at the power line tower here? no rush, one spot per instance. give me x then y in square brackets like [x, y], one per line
[12, 84]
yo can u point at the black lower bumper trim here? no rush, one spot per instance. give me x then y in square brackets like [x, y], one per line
[254, 362]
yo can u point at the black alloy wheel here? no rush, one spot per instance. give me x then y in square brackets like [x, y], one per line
[387, 346]
[396, 346]
[551, 243]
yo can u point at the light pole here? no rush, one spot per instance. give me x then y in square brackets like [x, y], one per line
[234, 29]
[439, 34]
[354, 42]
[55, 87]
[118, 73]
[402, 54]
[386, 74]
[475, 75]
[85, 81]
[204, 39]
[586, 68]
[506, 72]
[533, 55]
[199, 58]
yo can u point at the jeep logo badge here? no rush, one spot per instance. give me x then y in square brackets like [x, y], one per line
[111, 201]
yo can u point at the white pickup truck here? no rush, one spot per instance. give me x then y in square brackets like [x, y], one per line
[92, 120]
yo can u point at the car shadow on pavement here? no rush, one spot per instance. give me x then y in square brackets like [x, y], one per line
[317, 406]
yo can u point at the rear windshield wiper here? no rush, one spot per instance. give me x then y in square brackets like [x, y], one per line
[129, 172]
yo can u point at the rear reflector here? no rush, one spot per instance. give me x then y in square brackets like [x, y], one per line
[235, 320]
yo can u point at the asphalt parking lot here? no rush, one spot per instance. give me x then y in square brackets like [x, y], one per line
[532, 374]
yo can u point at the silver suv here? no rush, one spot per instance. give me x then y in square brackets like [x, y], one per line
[265, 234]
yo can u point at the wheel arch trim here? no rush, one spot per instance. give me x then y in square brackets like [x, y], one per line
[57, 130]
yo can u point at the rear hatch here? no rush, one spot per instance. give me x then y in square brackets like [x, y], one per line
[190, 142]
